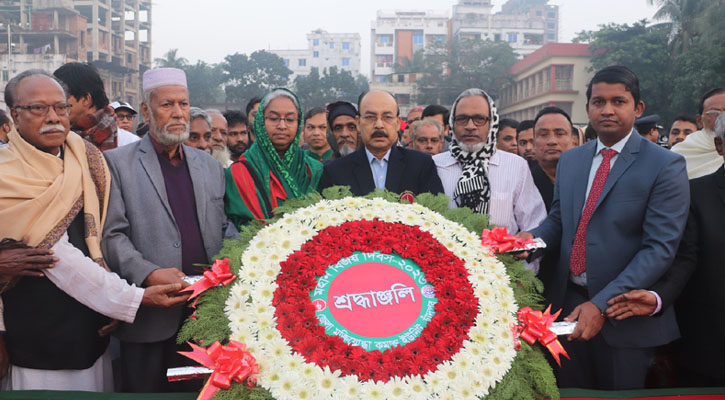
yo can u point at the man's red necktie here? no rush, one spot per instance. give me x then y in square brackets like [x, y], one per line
[577, 262]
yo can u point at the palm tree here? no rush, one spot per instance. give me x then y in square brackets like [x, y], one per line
[171, 60]
[684, 18]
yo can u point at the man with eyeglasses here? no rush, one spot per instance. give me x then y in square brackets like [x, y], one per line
[90, 114]
[699, 147]
[53, 201]
[477, 175]
[125, 115]
[381, 164]
[427, 136]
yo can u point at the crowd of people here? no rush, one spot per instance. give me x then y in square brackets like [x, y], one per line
[101, 221]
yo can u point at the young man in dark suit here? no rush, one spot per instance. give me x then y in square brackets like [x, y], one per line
[380, 164]
[618, 214]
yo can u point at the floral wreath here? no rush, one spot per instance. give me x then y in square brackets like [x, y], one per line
[466, 349]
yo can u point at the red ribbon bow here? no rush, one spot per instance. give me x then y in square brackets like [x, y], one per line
[229, 363]
[534, 325]
[220, 273]
[499, 240]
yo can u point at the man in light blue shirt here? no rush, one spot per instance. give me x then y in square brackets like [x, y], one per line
[381, 164]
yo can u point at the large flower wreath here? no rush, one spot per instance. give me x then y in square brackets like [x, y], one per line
[463, 348]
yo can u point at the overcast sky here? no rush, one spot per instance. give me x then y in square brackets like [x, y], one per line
[211, 29]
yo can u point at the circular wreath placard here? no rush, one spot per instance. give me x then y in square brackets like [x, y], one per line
[347, 297]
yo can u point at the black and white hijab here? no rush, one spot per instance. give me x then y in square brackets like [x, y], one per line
[473, 189]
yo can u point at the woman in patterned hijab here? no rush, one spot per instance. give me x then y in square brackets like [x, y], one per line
[474, 189]
[275, 168]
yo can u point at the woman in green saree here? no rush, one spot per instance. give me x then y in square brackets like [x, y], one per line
[275, 168]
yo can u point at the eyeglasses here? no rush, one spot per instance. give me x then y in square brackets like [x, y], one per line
[42, 109]
[125, 116]
[388, 119]
[478, 120]
[277, 120]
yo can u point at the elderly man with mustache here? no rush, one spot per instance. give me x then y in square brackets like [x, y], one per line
[380, 164]
[165, 217]
[477, 175]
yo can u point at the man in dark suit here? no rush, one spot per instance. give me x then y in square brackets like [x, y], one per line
[380, 164]
[618, 214]
[698, 270]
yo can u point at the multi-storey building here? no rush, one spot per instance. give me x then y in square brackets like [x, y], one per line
[114, 35]
[324, 50]
[557, 74]
[525, 24]
[400, 34]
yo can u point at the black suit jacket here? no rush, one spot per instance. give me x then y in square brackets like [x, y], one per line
[407, 170]
[700, 258]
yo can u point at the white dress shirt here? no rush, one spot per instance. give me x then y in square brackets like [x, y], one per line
[516, 203]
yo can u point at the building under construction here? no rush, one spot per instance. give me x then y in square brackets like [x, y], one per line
[113, 35]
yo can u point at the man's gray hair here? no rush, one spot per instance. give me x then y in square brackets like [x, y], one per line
[425, 122]
[215, 111]
[196, 112]
[281, 93]
[720, 127]
[11, 89]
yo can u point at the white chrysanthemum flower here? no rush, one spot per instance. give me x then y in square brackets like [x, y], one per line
[265, 321]
[417, 389]
[435, 382]
[350, 388]
[375, 391]
[328, 382]
[285, 385]
[264, 292]
[397, 388]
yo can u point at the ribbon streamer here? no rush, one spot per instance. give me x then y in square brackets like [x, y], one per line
[219, 274]
[534, 325]
[229, 363]
[498, 240]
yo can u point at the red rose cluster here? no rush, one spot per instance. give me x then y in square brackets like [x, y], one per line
[442, 337]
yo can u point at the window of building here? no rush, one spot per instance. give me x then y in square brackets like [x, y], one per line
[550, 36]
[401, 78]
[496, 37]
[315, 42]
[551, 14]
[346, 45]
[512, 37]
[286, 62]
[6, 76]
[551, 25]
[302, 62]
[315, 54]
[345, 62]
[538, 13]
[332, 45]
[418, 39]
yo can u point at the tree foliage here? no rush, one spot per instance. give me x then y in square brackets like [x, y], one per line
[253, 75]
[450, 68]
[672, 77]
[318, 90]
[205, 83]
[171, 60]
